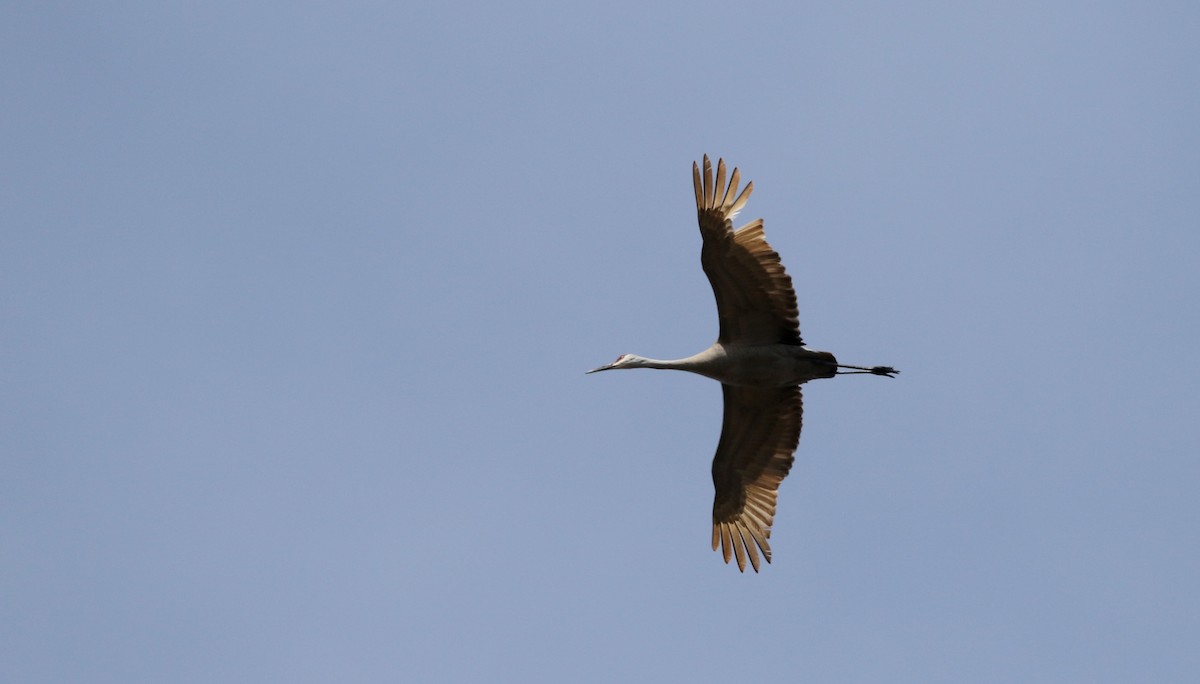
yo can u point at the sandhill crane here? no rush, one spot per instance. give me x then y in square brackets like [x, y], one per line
[760, 361]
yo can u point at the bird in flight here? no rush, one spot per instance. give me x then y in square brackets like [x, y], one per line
[760, 361]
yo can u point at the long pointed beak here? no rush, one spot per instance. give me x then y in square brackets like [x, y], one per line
[597, 370]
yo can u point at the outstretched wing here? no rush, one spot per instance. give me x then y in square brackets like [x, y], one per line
[758, 439]
[755, 300]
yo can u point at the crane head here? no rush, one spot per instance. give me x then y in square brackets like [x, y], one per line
[623, 361]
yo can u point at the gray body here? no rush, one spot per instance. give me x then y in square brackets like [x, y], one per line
[762, 365]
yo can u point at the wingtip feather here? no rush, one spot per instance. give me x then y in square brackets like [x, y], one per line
[707, 183]
[740, 202]
[727, 200]
[719, 185]
[739, 550]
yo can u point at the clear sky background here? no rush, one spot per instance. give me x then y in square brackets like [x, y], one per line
[298, 298]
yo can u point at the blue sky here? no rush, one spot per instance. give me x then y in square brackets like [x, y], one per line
[298, 298]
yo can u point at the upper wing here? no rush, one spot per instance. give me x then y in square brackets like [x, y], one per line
[755, 300]
[758, 439]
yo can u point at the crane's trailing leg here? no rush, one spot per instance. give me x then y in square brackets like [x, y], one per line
[886, 371]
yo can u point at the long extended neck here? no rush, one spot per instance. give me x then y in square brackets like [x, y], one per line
[697, 363]
[664, 364]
